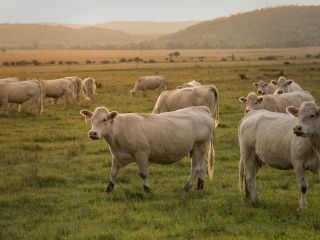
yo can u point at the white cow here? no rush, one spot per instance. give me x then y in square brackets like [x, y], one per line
[20, 92]
[265, 87]
[9, 80]
[155, 138]
[282, 142]
[89, 87]
[285, 85]
[192, 83]
[76, 86]
[149, 83]
[58, 88]
[275, 103]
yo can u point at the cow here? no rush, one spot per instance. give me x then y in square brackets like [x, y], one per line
[192, 83]
[265, 87]
[296, 145]
[149, 83]
[89, 87]
[20, 92]
[76, 86]
[285, 85]
[9, 80]
[275, 103]
[155, 138]
[57, 88]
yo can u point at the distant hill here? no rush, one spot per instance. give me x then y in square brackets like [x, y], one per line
[50, 36]
[147, 27]
[280, 27]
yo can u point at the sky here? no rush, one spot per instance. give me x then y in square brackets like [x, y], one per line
[97, 11]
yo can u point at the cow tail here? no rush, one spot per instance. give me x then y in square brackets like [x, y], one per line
[242, 184]
[211, 156]
[40, 102]
[216, 105]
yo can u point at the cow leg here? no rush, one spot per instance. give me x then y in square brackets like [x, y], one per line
[250, 170]
[143, 163]
[114, 172]
[144, 92]
[33, 103]
[5, 105]
[196, 163]
[202, 174]
[303, 185]
[54, 101]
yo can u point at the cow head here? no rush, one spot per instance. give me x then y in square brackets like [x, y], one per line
[282, 85]
[252, 102]
[261, 87]
[101, 120]
[133, 92]
[308, 119]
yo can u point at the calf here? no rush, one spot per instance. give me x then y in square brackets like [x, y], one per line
[265, 88]
[192, 83]
[285, 85]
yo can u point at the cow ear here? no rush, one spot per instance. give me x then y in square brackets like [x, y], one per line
[260, 99]
[274, 82]
[112, 116]
[255, 84]
[293, 111]
[242, 99]
[265, 84]
[86, 113]
[288, 82]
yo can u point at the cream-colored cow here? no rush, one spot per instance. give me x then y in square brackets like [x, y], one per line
[155, 138]
[280, 141]
[76, 86]
[285, 85]
[58, 88]
[149, 83]
[21, 92]
[275, 103]
[9, 80]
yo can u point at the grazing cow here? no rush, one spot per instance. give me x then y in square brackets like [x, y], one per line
[89, 87]
[58, 88]
[20, 92]
[296, 145]
[285, 85]
[275, 103]
[149, 82]
[192, 83]
[76, 86]
[9, 80]
[265, 88]
[155, 138]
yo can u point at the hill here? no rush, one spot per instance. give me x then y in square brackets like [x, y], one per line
[280, 27]
[147, 27]
[41, 36]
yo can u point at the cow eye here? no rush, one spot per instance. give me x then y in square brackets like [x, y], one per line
[312, 116]
[104, 120]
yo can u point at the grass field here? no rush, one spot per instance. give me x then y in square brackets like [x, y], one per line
[52, 177]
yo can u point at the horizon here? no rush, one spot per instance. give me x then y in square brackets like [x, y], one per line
[63, 12]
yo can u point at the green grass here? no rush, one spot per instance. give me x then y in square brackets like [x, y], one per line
[52, 177]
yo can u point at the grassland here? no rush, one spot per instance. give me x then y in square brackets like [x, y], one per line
[52, 177]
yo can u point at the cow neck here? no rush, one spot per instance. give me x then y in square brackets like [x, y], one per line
[110, 137]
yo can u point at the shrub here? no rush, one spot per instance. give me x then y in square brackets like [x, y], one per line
[99, 85]
[122, 60]
[152, 61]
[105, 62]
[243, 76]
[6, 64]
[223, 59]
[268, 58]
[60, 62]
[286, 63]
[88, 61]
[308, 55]
[36, 62]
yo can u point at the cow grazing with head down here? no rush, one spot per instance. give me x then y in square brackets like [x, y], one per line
[21, 92]
[265, 87]
[192, 83]
[149, 83]
[285, 85]
[290, 143]
[155, 138]
[275, 103]
[89, 87]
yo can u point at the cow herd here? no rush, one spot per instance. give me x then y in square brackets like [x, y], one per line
[12, 90]
[280, 127]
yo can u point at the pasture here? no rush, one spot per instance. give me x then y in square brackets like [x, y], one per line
[52, 177]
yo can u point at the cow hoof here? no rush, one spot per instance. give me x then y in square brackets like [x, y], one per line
[146, 189]
[200, 184]
[187, 187]
[110, 187]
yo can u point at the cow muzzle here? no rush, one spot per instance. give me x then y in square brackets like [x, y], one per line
[93, 135]
[260, 92]
[297, 130]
